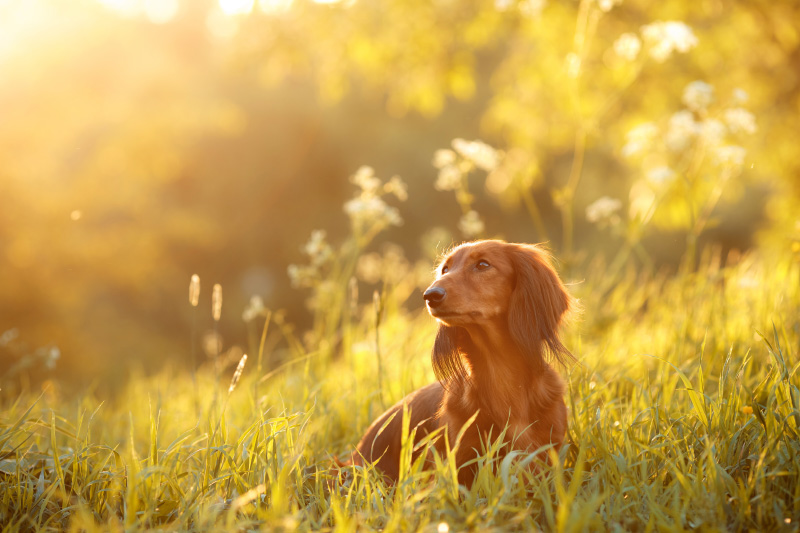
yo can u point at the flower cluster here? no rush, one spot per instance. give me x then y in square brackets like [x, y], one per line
[603, 211]
[740, 120]
[368, 209]
[471, 224]
[254, 309]
[687, 160]
[664, 38]
[454, 164]
[639, 139]
[660, 175]
[481, 154]
[369, 214]
[319, 253]
[627, 46]
[317, 249]
[681, 130]
[700, 124]
[698, 95]
[388, 267]
[661, 39]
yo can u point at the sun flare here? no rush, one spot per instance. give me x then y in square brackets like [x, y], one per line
[236, 7]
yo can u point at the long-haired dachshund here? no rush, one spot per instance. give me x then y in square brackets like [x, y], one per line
[499, 307]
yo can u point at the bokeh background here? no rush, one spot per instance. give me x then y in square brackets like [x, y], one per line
[143, 141]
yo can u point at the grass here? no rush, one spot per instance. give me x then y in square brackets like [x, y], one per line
[684, 414]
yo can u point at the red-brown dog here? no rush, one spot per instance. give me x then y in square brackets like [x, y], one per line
[499, 307]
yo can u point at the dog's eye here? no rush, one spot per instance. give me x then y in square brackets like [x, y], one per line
[482, 265]
[445, 269]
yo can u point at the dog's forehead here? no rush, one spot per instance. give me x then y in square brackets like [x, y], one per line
[475, 251]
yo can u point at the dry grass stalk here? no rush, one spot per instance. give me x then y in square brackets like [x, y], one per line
[194, 290]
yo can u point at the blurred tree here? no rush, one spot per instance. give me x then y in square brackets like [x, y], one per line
[138, 147]
[562, 82]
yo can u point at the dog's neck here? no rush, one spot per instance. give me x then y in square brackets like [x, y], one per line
[502, 379]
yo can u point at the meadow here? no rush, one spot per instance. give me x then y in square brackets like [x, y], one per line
[650, 146]
[683, 415]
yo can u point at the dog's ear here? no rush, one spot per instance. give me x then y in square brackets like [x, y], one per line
[538, 304]
[446, 356]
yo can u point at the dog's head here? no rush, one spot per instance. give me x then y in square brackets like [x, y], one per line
[507, 287]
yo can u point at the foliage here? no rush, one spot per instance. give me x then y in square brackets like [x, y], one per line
[136, 149]
[681, 417]
[652, 145]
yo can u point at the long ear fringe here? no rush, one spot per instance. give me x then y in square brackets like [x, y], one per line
[446, 358]
[538, 305]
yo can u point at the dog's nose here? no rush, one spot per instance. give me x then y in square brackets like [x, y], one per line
[434, 296]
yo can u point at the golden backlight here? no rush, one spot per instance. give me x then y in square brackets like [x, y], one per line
[143, 141]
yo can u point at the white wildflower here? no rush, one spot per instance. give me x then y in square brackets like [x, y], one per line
[372, 209]
[713, 131]
[302, 276]
[730, 156]
[449, 178]
[740, 120]
[317, 249]
[397, 187]
[665, 37]
[603, 209]
[740, 96]
[369, 207]
[366, 180]
[660, 175]
[461, 146]
[444, 527]
[471, 224]
[481, 154]
[627, 46]
[443, 158]
[698, 95]
[254, 309]
[639, 139]
[681, 130]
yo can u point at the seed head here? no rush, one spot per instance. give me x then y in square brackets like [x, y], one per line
[238, 373]
[194, 290]
[216, 301]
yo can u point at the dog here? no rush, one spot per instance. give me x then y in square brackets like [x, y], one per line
[499, 307]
